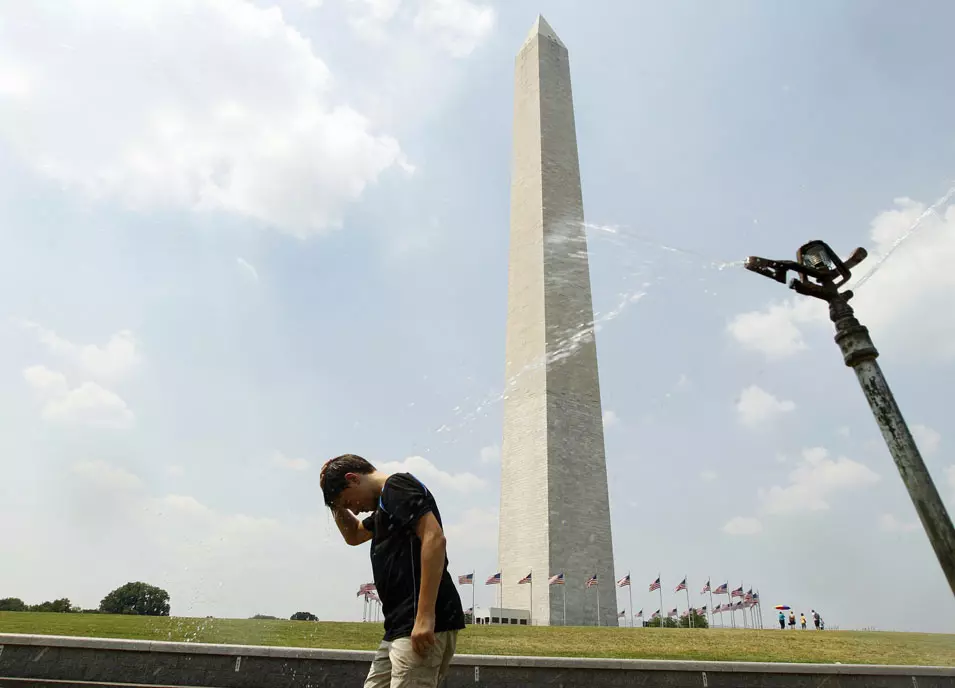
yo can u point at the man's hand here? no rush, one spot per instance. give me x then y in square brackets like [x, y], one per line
[422, 635]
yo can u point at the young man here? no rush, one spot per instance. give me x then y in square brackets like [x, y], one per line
[421, 606]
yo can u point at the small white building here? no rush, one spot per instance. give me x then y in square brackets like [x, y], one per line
[495, 616]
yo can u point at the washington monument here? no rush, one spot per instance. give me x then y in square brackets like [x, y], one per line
[555, 514]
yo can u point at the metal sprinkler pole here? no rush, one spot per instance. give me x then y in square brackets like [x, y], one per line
[822, 272]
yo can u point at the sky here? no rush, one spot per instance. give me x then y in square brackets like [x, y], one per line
[240, 237]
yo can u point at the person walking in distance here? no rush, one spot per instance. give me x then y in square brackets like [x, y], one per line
[421, 606]
[815, 618]
[802, 620]
[792, 621]
[782, 621]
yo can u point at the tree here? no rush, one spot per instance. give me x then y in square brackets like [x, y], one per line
[136, 598]
[698, 621]
[61, 606]
[303, 616]
[264, 616]
[683, 622]
[12, 604]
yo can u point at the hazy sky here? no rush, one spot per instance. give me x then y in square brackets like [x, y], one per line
[238, 238]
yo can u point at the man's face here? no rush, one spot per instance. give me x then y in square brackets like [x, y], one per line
[357, 496]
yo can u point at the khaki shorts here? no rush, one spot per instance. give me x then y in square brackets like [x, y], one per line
[396, 665]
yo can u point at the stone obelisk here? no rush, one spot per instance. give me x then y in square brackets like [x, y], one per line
[555, 514]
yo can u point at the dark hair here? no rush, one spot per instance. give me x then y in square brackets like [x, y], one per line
[332, 479]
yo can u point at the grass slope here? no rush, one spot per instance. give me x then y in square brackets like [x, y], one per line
[848, 647]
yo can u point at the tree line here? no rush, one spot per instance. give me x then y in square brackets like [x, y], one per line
[136, 598]
[132, 598]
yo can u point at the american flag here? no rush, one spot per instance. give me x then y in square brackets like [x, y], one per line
[722, 589]
[371, 596]
[494, 580]
[655, 585]
[706, 588]
[622, 614]
[673, 612]
[365, 587]
[685, 613]
[655, 615]
[525, 579]
[702, 610]
[624, 582]
[556, 580]
[738, 592]
[466, 579]
[681, 586]
[593, 581]
[748, 597]
[638, 615]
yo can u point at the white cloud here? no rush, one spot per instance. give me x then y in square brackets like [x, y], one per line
[279, 459]
[458, 26]
[756, 406]
[248, 269]
[175, 471]
[900, 304]
[118, 357]
[743, 526]
[927, 439]
[815, 479]
[491, 454]
[114, 107]
[774, 332]
[89, 404]
[45, 380]
[369, 18]
[107, 475]
[708, 476]
[477, 529]
[432, 475]
[890, 524]
[610, 419]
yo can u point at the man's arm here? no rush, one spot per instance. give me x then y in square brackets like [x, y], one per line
[351, 528]
[433, 550]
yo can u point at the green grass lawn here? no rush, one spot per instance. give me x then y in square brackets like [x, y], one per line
[848, 647]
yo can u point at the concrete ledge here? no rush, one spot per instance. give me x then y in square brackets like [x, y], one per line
[69, 660]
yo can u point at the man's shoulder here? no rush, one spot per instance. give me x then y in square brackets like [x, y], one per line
[405, 482]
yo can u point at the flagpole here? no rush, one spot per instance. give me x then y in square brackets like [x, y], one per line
[473, 585]
[689, 614]
[729, 597]
[709, 584]
[598, 601]
[500, 596]
[530, 604]
[661, 600]
[564, 593]
[742, 610]
[630, 590]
